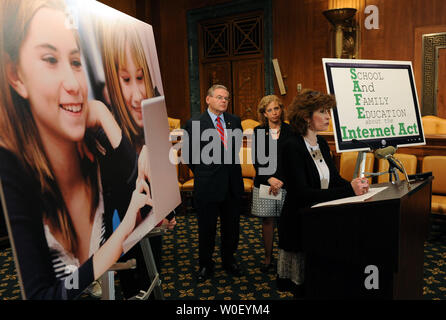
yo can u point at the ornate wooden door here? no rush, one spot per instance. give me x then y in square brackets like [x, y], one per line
[231, 53]
[441, 83]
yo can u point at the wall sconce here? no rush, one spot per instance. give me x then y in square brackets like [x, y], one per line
[346, 32]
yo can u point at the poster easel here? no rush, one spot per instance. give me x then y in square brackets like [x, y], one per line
[108, 279]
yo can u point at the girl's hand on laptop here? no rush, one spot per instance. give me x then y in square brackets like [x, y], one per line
[140, 197]
[143, 164]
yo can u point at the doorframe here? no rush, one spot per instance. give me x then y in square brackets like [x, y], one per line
[219, 11]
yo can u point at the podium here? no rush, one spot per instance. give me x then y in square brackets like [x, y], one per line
[387, 232]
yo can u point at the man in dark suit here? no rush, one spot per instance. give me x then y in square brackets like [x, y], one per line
[218, 184]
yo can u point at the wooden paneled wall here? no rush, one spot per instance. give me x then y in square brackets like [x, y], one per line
[172, 45]
[301, 39]
[140, 9]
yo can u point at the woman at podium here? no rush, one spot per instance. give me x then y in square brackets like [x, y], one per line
[311, 177]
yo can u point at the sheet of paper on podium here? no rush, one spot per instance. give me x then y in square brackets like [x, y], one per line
[371, 193]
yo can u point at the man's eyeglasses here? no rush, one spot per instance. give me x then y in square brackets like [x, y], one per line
[219, 98]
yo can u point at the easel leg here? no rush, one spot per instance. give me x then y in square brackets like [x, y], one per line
[151, 268]
[107, 281]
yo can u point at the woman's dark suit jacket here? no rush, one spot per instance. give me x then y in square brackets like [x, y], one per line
[285, 133]
[304, 188]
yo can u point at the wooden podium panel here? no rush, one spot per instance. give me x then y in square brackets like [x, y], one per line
[387, 231]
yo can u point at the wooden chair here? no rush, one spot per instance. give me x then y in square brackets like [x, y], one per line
[187, 191]
[248, 171]
[437, 164]
[174, 123]
[348, 163]
[248, 126]
[409, 162]
[176, 160]
[248, 175]
[189, 184]
[434, 125]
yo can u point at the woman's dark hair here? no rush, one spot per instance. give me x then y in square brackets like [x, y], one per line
[303, 107]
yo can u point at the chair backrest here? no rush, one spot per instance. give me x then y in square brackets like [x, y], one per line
[174, 123]
[441, 127]
[330, 126]
[409, 162]
[175, 159]
[434, 125]
[248, 170]
[249, 124]
[436, 164]
[348, 163]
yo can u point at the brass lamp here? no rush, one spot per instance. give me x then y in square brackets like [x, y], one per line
[346, 36]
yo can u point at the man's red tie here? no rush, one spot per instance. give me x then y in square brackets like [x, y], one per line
[221, 132]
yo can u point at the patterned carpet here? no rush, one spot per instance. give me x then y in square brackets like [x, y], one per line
[180, 265]
[180, 254]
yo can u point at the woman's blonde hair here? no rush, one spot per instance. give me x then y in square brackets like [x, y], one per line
[264, 102]
[303, 107]
[18, 130]
[114, 35]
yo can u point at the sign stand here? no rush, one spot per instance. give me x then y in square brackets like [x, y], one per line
[108, 279]
[360, 165]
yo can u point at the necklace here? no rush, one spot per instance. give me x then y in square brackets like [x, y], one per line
[314, 151]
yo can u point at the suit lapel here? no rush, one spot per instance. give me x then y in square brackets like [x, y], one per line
[228, 121]
[206, 121]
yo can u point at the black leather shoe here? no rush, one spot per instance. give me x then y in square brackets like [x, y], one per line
[233, 269]
[204, 273]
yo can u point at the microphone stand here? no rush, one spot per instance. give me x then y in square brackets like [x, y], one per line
[394, 166]
[400, 168]
[393, 171]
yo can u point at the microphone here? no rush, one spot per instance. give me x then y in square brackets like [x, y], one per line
[385, 153]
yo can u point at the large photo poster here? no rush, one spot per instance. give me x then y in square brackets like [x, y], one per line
[73, 158]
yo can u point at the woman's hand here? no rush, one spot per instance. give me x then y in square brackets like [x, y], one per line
[169, 224]
[360, 186]
[143, 164]
[95, 111]
[110, 252]
[100, 117]
[275, 185]
[140, 197]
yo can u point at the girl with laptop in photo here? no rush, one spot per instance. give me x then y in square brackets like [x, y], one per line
[127, 83]
[65, 164]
